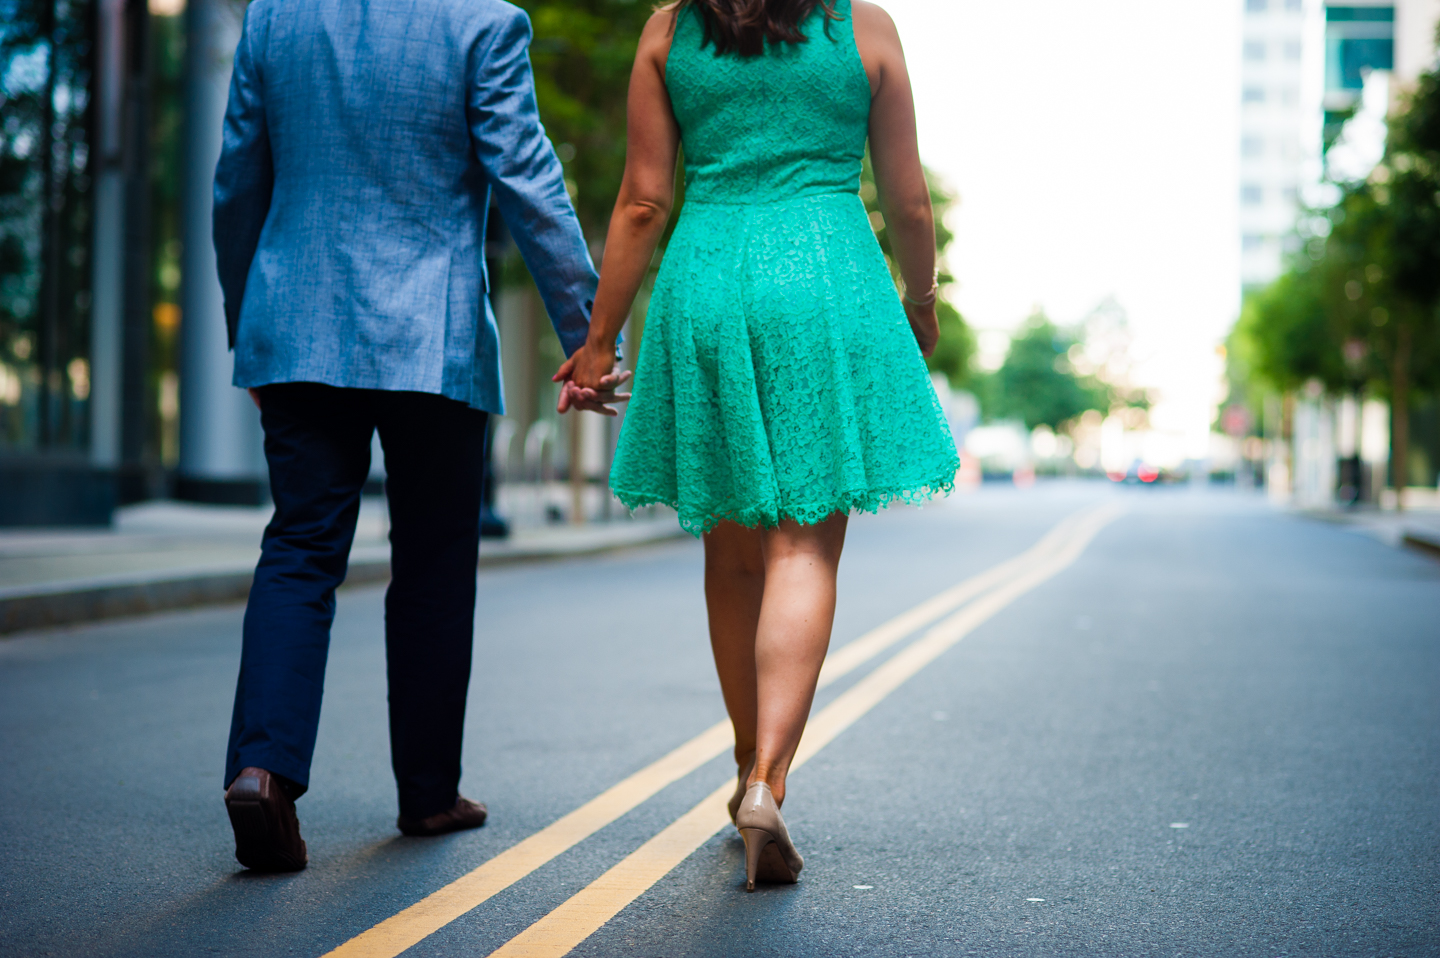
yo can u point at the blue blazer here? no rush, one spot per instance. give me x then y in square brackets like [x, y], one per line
[363, 139]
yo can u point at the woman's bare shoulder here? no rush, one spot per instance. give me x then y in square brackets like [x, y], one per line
[661, 23]
[873, 22]
[877, 41]
[659, 31]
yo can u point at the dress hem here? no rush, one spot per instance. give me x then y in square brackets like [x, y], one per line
[805, 513]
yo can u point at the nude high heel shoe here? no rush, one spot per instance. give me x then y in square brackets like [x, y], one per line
[770, 856]
[740, 786]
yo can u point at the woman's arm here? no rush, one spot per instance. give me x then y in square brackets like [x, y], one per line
[641, 210]
[899, 177]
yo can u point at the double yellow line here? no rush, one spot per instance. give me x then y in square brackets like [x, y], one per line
[583, 914]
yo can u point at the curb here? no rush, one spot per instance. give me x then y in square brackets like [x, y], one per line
[1422, 542]
[70, 603]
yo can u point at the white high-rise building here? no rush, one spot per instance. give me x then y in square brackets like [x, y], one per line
[1280, 92]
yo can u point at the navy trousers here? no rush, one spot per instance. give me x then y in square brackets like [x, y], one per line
[317, 443]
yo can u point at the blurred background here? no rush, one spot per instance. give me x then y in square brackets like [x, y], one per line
[1183, 242]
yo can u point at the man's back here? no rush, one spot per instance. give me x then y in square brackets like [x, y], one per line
[361, 143]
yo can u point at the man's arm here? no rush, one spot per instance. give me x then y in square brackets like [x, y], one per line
[529, 184]
[244, 179]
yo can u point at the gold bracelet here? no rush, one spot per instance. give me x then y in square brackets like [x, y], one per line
[929, 299]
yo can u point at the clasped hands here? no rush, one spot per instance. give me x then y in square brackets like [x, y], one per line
[589, 381]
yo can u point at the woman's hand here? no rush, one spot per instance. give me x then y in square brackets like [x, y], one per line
[589, 364]
[925, 325]
[590, 381]
[647, 193]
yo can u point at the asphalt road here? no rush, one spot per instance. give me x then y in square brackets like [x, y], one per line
[1268, 682]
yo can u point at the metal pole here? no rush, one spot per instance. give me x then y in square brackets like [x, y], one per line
[107, 277]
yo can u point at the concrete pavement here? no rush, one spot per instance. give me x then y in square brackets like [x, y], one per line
[1266, 682]
[1415, 528]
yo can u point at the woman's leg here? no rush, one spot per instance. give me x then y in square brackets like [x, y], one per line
[734, 587]
[793, 634]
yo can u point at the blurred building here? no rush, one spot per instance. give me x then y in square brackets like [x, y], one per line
[1305, 65]
[1365, 36]
[1279, 129]
[1359, 39]
[71, 244]
[114, 377]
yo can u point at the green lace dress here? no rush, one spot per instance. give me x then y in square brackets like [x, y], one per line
[778, 377]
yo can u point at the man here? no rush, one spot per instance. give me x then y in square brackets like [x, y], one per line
[362, 142]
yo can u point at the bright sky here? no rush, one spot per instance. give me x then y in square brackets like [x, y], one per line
[1094, 146]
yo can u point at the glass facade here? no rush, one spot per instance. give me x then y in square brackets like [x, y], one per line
[1357, 40]
[46, 62]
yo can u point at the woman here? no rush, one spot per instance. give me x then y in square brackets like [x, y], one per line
[779, 386]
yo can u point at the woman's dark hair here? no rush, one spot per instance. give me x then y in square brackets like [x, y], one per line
[744, 25]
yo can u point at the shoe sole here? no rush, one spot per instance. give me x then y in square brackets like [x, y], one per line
[416, 831]
[254, 847]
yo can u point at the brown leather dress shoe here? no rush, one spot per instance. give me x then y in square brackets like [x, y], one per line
[267, 833]
[465, 814]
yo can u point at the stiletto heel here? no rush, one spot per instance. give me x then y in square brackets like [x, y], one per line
[741, 784]
[755, 841]
[770, 856]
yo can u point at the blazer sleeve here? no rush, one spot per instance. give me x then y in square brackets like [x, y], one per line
[244, 177]
[527, 179]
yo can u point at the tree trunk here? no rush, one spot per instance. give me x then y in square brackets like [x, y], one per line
[1400, 415]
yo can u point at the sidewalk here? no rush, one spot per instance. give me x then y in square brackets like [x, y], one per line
[1415, 528]
[168, 555]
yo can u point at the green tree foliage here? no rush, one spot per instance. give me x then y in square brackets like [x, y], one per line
[1285, 334]
[956, 349]
[1409, 189]
[1037, 383]
[582, 55]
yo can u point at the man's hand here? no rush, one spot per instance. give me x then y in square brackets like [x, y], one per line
[254, 397]
[590, 381]
[594, 400]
